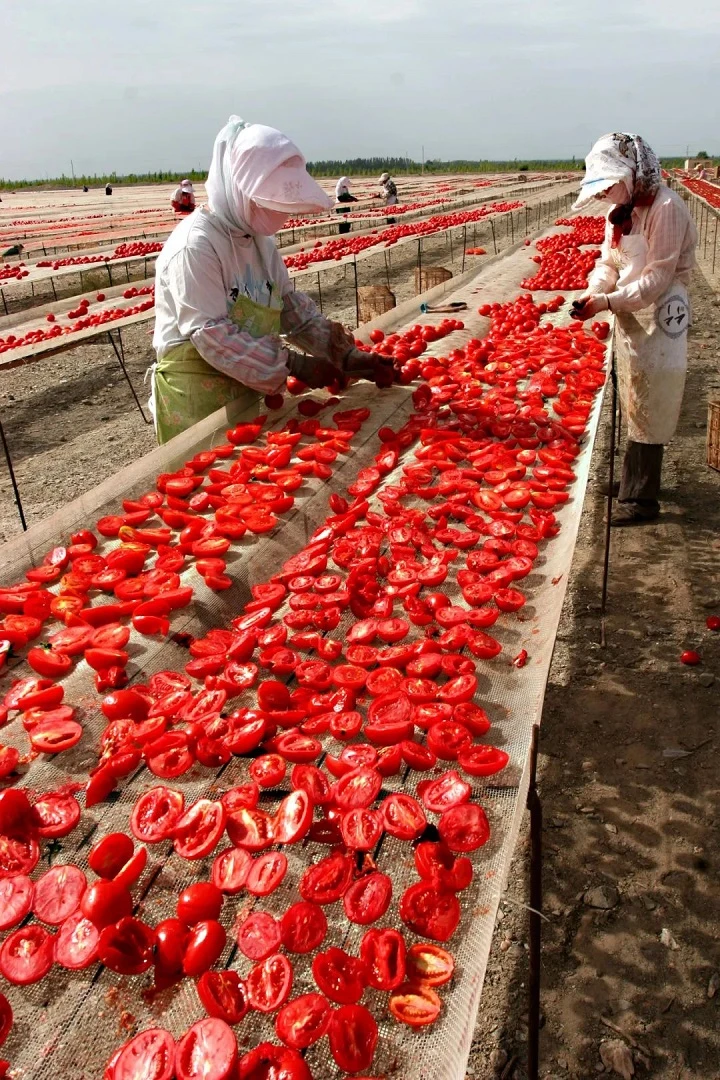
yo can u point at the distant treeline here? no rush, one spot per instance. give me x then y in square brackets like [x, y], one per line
[356, 167]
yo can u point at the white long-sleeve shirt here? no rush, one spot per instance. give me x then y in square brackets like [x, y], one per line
[201, 272]
[671, 239]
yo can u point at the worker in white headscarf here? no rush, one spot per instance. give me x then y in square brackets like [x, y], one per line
[342, 195]
[342, 191]
[642, 278]
[223, 296]
[183, 200]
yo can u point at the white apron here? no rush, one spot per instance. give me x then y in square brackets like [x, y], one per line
[651, 350]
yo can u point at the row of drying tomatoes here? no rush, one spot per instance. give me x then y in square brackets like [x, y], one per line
[122, 251]
[341, 246]
[82, 319]
[473, 408]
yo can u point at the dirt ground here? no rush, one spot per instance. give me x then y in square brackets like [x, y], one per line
[629, 774]
[630, 784]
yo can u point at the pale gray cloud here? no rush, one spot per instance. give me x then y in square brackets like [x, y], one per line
[145, 84]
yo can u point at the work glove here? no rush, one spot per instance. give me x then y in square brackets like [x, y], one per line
[358, 364]
[589, 305]
[316, 372]
[340, 343]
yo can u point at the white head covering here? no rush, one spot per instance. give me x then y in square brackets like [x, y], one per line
[186, 185]
[342, 186]
[617, 157]
[385, 176]
[256, 169]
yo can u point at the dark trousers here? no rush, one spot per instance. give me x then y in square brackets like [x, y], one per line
[642, 467]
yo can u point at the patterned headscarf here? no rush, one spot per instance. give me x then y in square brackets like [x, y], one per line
[621, 156]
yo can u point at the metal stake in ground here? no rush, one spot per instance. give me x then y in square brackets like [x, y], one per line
[492, 226]
[611, 480]
[357, 297]
[535, 808]
[13, 481]
[120, 354]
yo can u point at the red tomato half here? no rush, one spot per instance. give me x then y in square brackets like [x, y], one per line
[55, 815]
[429, 912]
[270, 1062]
[259, 935]
[368, 898]
[415, 1004]
[383, 954]
[198, 831]
[303, 1021]
[223, 995]
[26, 955]
[155, 814]
[149, 1054]
[58, 893]
[269, 983]
[207, 1051]
[76, 943]
[429, 964]
[464, 828]
[16, 894]
[353, 1036]
[303, 927]
[341, 977]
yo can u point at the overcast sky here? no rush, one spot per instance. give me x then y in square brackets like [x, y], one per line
[138, 85]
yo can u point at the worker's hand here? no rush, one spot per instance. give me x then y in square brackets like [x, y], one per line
[340, 344]
[588, 306]
[314, 371]
[370, 366]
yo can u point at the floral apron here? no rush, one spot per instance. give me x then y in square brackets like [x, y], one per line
[651, 351]
[186, 389]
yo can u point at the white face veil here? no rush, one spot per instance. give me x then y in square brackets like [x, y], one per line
[258, 178]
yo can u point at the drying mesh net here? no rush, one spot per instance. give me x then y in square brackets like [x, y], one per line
[68, 1025]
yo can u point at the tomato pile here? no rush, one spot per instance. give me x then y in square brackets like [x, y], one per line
[347, 667]
[123, 251]
[338, 248]
[709, 192]
[567, 268]
[584, 230]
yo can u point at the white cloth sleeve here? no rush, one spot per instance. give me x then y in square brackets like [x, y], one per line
[304, 326]
[604, 276]
[665, 237]
[259, 363]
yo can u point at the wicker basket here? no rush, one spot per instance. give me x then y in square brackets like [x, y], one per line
[374, 300]
[429, 276]
[713, 435]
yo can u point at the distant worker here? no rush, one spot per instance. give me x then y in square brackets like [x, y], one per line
[223, 295]
[16, 249]
[183, 200]
[342, 191]
[702, 173]
[85, 187]
[388, 191]
[642, 278]
[342, 194]
[108, 189]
